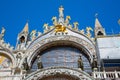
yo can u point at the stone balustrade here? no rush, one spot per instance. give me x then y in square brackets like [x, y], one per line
[106, 75]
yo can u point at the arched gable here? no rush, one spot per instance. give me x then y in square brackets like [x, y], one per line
[33, 50]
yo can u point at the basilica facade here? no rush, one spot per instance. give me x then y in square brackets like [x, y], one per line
[61, 52]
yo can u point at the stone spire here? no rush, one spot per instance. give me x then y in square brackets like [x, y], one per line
[97, 23]
[99, 30]
[23, 38]
[25, 29]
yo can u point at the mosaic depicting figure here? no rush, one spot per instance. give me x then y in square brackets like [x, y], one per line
[4, 62]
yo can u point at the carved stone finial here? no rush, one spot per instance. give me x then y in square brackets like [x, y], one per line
[2, 33]
[3, 30]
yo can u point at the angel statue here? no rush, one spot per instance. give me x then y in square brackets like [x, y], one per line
[33, 34]
[25, 64]
[67, 20]
[82, 31]
[61, 11]
[18, 57]
[39, 33]
[46, 27]
[39, 64]
[54, 19]
[94, 64]
[80, 63]
[76, 25]
[88, 29]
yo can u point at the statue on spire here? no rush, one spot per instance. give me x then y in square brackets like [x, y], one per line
[61, 16]
[61, 11]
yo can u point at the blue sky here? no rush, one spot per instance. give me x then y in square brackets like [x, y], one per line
[15, 13]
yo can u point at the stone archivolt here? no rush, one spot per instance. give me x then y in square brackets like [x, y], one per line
[32, 52]
[75, 73]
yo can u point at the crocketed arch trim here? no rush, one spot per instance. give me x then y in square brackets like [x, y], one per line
[39, 74]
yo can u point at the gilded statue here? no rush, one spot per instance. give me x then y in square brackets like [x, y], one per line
[33, 34]
[54, 19]
[82, 31]
[67, 20]
[76, 25]
[51, 27]
[60, 28]
[69, 26]
[88, 29]
[46, 27]
[39, 33]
